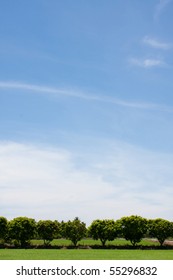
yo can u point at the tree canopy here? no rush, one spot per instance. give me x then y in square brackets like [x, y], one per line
[160, 229]
[103, 230]
[22, 229]
[19, 231]
[46, 230]
[74, 230]
[3, 227]
[133, 228]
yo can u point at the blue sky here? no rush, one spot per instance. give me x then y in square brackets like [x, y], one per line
[86, 109]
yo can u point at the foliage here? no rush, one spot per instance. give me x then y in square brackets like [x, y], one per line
[46, 230]
[62, 229]
[103, 230]
[74, 230]
[160, 229]
[22, 230]
[133, 228]
[57, 233]
[3, 227]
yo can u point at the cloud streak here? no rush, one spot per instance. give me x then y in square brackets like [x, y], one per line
[152, 42]
[43, 89]
[146, 63]
[55, 92]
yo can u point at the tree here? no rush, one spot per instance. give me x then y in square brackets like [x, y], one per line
[3, 227]
[133, 228]
[22, 230]
[46, 230]
[74, 230]
[103, 230]
[160, 229]
[62, 229]
[57, 233]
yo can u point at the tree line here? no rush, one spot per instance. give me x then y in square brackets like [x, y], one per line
[21, 230]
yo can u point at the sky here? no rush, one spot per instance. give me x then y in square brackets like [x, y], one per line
[86, 109]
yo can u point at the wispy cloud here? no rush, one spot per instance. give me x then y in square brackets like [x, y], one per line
[56, 92]
[147, 62]
[43, 89]
[160, 7]
[154, 43]
[44, 182]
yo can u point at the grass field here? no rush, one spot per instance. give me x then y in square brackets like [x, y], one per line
[88, 254]
[91, 242]
[83, 254]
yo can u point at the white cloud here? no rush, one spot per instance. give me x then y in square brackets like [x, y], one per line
[45, 183]
[156, 44]
[50, 183]
[44, 89]
[146, 63]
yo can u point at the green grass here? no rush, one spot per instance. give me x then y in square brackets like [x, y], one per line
[91, 242]
[84, 254]
[87, 254]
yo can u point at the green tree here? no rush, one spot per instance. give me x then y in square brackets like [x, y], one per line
[22, 230]
[3, 227]
[57, 233]
[74, 230]
[103, 230]
[160, 229]
[46, 230]
[133, 228]
[62, 229]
